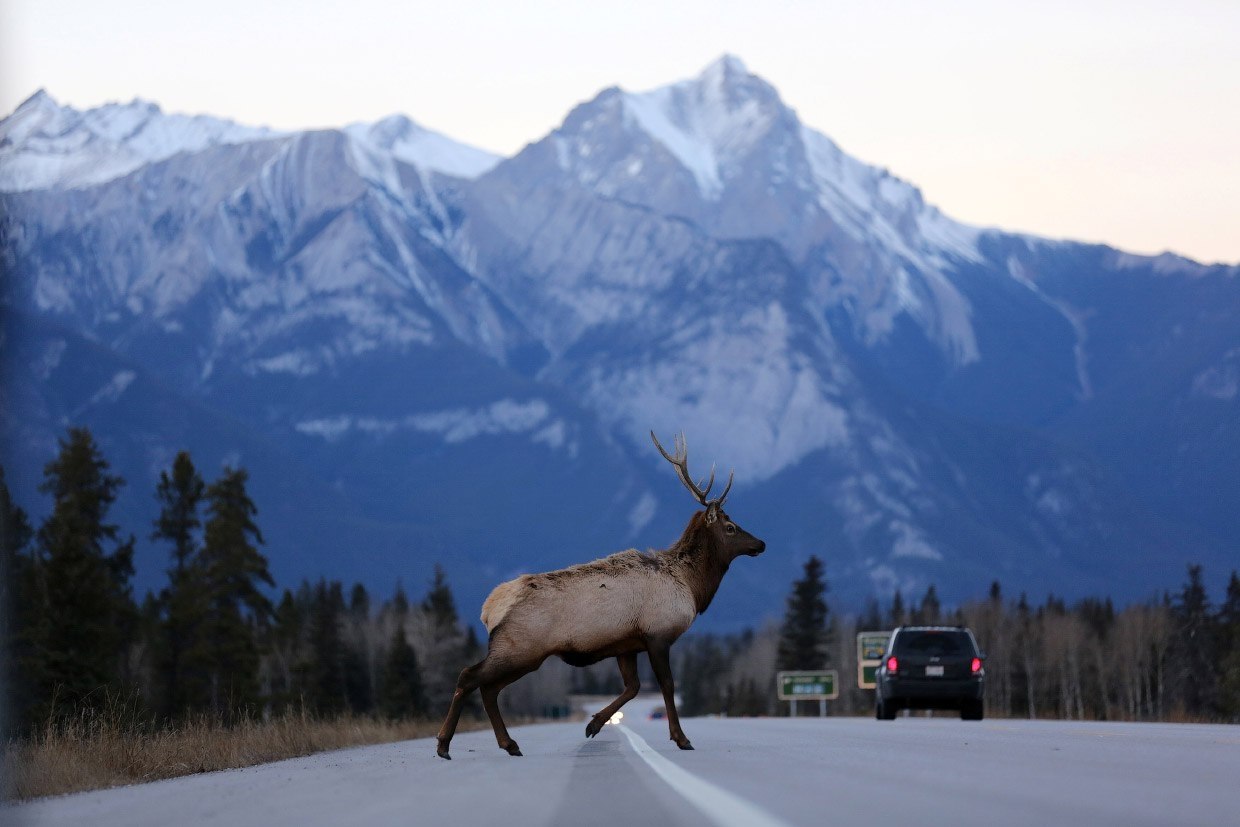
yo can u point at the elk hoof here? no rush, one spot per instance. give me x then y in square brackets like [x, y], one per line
[684, 744]
[594, 727]
[512, 748]
[441, 749]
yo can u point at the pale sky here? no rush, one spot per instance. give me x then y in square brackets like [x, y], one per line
[1096, 120]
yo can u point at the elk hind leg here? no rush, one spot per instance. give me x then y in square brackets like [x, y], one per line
[471, 678]
[465, 683]
[628, 671]
[490, 702]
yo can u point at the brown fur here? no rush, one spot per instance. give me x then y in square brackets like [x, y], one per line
[507, 596]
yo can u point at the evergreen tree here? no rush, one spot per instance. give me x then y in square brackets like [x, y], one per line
[898, 616]
[232, 570]
[325, 686]
[439, 603]
[84, 613]
[438, 636]
[149, 652]
[930, 611]
[1196, 660]
[16, 591]
[1229, 647]
[184, 601]
[359, 602]
[401, 694]
[359, 680]
[358, 692]
[705, 668]
[804, 637]
[287, 631]
[400, 601]
[871, 619]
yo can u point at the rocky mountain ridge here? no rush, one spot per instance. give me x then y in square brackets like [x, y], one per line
[423, 352]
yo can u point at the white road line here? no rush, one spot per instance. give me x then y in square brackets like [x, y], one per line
[717, 804]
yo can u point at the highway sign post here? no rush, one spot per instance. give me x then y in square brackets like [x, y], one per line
[821, 686]
[870, 649]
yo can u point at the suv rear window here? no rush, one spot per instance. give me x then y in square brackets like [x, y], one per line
[933, 643]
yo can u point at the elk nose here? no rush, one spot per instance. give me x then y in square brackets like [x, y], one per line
[761, 547]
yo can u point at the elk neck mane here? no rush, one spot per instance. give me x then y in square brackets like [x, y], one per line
[696, 558]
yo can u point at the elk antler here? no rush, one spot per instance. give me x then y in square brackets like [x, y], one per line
[681, 463]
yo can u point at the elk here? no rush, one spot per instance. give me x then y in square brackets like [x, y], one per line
[618, 606]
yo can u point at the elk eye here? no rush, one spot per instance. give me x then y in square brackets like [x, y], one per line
[730, 528]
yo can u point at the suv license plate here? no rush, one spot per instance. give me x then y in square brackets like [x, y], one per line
[934, 671]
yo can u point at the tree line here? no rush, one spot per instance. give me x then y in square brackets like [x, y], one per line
[1176, 657]
[211, 642]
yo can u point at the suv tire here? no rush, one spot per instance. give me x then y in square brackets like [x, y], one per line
[885, 710]
[972, 710]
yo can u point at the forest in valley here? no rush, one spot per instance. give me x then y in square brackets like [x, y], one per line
[221, 641]
[1174, 658]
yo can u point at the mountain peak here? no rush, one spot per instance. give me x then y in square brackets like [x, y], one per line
[407, 141]
[724, 67]
[727, 84]
[708, 122]
[39, 100]
[387, 131]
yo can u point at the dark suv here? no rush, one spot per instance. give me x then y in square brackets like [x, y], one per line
[931, 667]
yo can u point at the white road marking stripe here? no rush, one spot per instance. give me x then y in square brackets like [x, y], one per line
[719, 805]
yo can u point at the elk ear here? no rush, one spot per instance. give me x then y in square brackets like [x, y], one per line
[712, 513]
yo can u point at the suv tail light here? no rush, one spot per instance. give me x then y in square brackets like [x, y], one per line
[893, 665]
[976, 666]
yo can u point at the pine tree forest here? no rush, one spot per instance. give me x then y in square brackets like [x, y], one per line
[222, 640]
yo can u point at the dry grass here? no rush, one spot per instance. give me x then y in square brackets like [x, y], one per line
[108, 750]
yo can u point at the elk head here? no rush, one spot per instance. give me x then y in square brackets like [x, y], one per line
[726, 536]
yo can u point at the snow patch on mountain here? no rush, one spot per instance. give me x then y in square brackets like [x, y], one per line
[292, 363]
[910, 542]
[46, 362]
[1166, 264]
[1074, 317]
[113, 389]
[1221, 381]
[454, 425]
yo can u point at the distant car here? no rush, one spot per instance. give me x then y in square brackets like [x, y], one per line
[931, 667]
[658, 713]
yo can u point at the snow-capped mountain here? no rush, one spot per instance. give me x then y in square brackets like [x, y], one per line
[405, 141]
[45, 145]
[423, 352]
[723, 151]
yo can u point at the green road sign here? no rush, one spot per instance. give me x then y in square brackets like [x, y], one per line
[871, 645]
[808, 686]
[870, 649]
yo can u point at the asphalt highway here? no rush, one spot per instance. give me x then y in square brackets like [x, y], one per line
[841, 771]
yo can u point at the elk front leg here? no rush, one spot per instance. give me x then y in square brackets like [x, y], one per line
[628, 671]
[661, 662]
